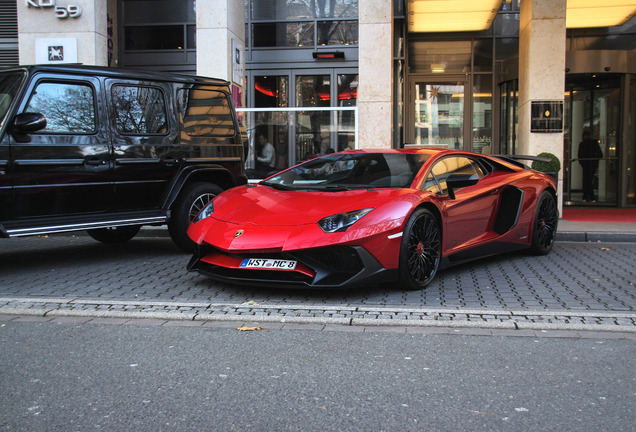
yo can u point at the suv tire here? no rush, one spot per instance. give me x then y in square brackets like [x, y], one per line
[188, 204]
[119, 234]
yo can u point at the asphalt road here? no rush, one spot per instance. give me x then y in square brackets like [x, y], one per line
[81, 377]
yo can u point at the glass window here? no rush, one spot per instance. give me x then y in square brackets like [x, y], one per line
[352, 171]
[439, 57]
[290, 34]
[337, 32]
[482, 57]
[630, 181]
[270, 91]
[482, 114]
[347, 96]
[313, 128]
[154, 37]
[139, 110]
[205, 112]
[313, 90]
[9, 84]
[440, 172]
[67, 107]
[156, 11]
[281, 10]
[439, 114]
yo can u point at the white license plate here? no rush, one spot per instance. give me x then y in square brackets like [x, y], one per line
[271, 264]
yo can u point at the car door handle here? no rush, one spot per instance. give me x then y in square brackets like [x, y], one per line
[169, 160]
[95, 161]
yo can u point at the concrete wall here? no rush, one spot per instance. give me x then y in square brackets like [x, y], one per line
[542, 43]
[221, 39]
[43, 29]
[375, 75]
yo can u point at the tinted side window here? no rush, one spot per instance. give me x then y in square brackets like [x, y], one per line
[139, 110]
[67, 107]
[205, 112]
[436, 179]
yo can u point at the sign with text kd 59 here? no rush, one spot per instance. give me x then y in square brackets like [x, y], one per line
[61, 11]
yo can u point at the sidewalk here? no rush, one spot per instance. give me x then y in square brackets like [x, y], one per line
[596, 231]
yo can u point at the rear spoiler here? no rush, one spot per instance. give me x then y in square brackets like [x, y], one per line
[514, 159]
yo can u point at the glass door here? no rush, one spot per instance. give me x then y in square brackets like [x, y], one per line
[436, 111]
[592, 139]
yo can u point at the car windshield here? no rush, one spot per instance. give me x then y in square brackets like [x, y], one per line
[9, 84]
[346, 171]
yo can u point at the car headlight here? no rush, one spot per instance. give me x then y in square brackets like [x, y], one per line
[340, 222]
[205, 212]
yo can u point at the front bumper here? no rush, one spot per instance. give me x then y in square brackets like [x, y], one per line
[327, 267]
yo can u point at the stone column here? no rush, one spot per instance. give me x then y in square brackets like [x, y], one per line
[73, 32]
[375, 76]
[542, 43]
[221, 39]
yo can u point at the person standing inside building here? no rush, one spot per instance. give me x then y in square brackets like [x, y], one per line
[266, 162]
[589, 155]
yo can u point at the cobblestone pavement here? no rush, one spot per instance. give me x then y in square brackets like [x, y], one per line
[577, 286]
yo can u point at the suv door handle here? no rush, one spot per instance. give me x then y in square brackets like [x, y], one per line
[169, 160]
[94, 161]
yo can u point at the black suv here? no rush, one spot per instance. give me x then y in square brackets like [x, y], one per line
[109, 150]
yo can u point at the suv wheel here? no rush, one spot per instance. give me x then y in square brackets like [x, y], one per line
[117, 234]
[189, 203]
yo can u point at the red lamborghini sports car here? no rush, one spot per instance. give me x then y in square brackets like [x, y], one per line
[370, 217]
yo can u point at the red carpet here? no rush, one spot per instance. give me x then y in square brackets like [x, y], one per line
[598, 215]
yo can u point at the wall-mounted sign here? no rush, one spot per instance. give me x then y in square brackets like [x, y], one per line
[61, 11]
[547, 116]
[237, 62]
[55, 50]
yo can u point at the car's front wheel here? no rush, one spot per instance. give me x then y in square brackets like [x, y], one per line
[119, 234]
[189, 203]
[420, 251]
[545, 224]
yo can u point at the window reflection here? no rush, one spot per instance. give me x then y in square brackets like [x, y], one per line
[68, 108]
[205, 112]
[139, 110]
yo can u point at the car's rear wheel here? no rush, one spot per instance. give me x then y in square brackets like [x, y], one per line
[420, 251]
[545, 224]
[189, 203]
[119, 234]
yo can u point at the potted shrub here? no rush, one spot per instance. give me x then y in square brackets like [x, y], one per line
[551, 165]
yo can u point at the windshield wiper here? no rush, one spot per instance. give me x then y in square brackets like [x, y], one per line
[278, 186]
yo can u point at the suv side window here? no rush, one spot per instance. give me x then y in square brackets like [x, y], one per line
[436, 179]
[139, 110]
[205, 112]
[69, 108]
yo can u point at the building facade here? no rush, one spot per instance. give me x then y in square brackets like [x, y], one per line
[314, 75]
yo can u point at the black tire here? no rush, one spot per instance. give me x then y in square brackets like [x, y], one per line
[545, 224]
[189, 203]
[119, 234]
[420, 251]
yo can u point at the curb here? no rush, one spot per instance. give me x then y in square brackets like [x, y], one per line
[601, 321]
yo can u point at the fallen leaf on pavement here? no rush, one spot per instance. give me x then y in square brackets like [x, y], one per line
[250, 303]
[251, 329]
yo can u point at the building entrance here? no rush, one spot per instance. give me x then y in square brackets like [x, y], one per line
[436, 111]
[592, 140]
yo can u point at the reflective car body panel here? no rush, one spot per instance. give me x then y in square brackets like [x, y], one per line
[486, 215]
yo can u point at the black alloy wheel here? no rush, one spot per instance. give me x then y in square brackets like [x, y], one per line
[190, 202]
[420, 251]
[545, 224]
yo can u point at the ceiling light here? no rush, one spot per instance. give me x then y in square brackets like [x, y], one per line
[451, 15]
[598, 13]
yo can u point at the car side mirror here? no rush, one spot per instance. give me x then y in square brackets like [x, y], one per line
[26, 123]
[458, 181]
